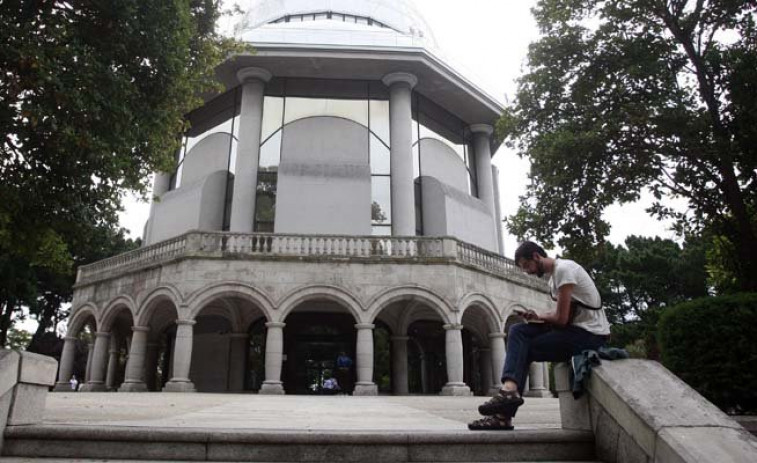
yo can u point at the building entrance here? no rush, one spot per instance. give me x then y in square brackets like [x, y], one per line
[312, 343]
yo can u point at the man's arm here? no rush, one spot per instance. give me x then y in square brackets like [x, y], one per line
[561, 315]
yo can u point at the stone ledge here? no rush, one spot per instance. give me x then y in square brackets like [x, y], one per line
[159, 434]
[716, 444]
[37, 369]
[647, 406]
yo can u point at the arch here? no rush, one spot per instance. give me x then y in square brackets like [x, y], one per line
[331, 293]
[414, 293]
[494, 319]
[113, 308]
[510, 310]
[203, 296]
[79, 316]
[149, 302]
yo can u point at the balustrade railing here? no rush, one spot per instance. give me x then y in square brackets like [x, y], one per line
[220, 244]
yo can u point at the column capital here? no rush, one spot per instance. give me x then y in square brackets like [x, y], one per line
[253, 73]
[364, 326]
[399, 338]
[485, 129]
[496, 335]
[275, 325]
[142, 329]
[185, 322]
[103, 334]
[453, 326]
[400, 77]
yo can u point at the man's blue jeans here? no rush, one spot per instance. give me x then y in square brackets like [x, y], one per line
[542, 342]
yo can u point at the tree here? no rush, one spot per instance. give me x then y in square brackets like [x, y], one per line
[639, 281]
[92, 99]
[623, 96]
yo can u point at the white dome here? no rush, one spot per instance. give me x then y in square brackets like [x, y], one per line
[395, 17]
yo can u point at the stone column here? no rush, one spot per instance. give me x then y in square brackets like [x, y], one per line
[96, 381]
[454, 351]
[253, 82]
[364, 360]
[135, 365]
[66, 370]
[486, 369]
[274, 355]
[110, 378]
[401, 151]
[237, 365]
[399, 365]
[536, 381]
[151, 365]
[182, 358]
[88, 368]
[546, 378]
[481, 146]
[497, 211]
[497, 345]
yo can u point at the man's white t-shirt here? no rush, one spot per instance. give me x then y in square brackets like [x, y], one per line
[567, 272]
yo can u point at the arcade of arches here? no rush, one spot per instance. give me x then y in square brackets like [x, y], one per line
[236, 341]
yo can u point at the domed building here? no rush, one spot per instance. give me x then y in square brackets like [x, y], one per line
[334, 214]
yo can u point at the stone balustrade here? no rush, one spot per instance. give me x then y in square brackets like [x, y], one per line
[318, 247]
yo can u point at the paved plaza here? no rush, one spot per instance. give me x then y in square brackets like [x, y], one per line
[286, 413]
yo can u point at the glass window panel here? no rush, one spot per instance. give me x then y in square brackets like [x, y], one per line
[381, 230]
[425, 132]
[265, 201]
[380, 120]
[379, 157]
[270, 153]
[381, 200]
[298, 108]
[224, 126]
[273, 108]
[416, 161]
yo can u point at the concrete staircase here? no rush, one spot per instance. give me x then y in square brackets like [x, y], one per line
[148, 444]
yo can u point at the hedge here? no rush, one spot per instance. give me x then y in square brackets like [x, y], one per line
[711, 344]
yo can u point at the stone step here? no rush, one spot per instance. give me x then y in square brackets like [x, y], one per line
[88, 460]
[226, 445]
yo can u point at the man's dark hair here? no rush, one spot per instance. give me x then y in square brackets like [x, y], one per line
[527, 249]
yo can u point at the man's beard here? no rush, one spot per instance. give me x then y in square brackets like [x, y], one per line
[539, 269]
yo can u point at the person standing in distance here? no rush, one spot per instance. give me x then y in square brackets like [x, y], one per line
[577, 323]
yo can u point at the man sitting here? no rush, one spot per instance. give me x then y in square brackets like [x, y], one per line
[577, 323]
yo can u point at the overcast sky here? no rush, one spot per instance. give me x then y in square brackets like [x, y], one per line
[486, 41]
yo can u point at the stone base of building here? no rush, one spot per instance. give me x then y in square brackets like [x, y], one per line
[494, 390]
[92, 387]
[62, 387]
[272, 388]
[456, 389]
[179, 386]
[538, 393]
[365, 389]
[133, 387]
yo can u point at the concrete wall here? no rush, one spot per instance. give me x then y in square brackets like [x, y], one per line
[640, 412]
[441, 162]
[208, 155]
[194, 206]
[324, 183]
[448, 211]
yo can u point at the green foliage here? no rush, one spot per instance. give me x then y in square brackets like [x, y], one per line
[92, 99]
[18, 339]
[627, 96]
[648, 273]
[709, 343]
